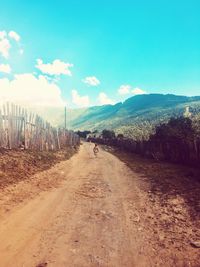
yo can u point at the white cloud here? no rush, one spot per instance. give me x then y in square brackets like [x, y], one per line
[3, 34]
[138, 91]
[104, 100]
[4, 47]
[13, 35]
[5, 42]
[81, 101]
[92, 81]
[28, 90]
[127, 89]
[57, 67]
[5, 68]
[124, 89]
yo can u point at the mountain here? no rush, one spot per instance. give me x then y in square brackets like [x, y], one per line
[137, 116]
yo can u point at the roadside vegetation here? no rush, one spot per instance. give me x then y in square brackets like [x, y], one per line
[177, 140]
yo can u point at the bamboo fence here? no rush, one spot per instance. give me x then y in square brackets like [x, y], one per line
[22, 129]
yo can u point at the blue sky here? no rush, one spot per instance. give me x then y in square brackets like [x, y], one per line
[130, 47]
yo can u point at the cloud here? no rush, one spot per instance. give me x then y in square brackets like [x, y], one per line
[138, 91]
[29, 90]
[5, 44]
[104, 100]
[127, 89]
[13, 35]
[124, 89]
[57, 67]
[81, 101]
[4, 47]
[3, 34]
[91, 81]
[5, 68]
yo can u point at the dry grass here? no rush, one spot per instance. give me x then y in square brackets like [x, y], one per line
[16, 165]
[172, 208]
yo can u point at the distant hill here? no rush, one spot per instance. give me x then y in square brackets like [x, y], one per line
[138, 112]
[136, 117]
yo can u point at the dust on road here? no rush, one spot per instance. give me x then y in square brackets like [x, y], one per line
[91, 216]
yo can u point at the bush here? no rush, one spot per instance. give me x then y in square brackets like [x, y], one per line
[83, 134]
[176, 129]
[108, 134]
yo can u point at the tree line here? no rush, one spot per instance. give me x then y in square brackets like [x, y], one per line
[177, 140]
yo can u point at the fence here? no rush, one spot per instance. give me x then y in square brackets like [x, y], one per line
[178, 151]
[22, 129]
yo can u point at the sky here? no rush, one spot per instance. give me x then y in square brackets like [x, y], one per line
[93, 52]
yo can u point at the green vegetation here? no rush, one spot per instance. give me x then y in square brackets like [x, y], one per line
[108, 134]
[138, 116]
[176, 129]
[83, 134]
[178, 141]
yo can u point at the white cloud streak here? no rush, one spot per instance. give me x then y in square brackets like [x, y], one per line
[104, 99]
[138, 91]
[80, 101]
[4, 47]
[29, 90]
[127, 89]
[5, 68]
[3, 34]
[5, 43]
[57, 67]
[13, 35]
[124, 89]
[91, 81]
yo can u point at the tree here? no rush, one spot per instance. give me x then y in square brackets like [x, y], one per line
[120, 136]
[83, 134]
[108, 134]
[176, 129]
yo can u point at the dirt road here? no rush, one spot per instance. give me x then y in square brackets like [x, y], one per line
[91, 217]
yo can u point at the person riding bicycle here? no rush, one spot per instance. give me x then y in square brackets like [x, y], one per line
[96, 150]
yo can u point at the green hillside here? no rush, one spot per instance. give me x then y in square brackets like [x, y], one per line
[137, 116]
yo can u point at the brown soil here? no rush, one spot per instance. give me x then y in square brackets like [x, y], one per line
[172, 210]
[17, 165]
[90, 212]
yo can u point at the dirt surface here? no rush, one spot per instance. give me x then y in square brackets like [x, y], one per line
[173, 211]
[88, 212]
[18, 165]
